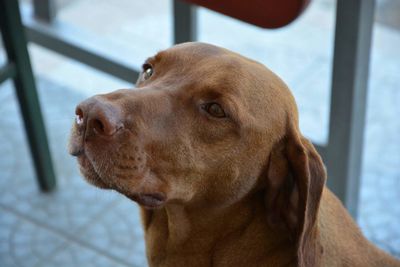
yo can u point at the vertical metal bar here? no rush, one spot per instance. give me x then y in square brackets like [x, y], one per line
[7, 72]
[354, 23]
[185, 22]
[45, 10]
[16, 49]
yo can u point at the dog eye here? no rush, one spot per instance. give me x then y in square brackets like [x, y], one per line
[214, 109]
[147, 71]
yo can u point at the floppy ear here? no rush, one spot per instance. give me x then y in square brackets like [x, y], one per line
[296, 177]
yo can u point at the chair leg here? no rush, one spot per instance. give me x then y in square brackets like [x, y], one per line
[354, 24]
[16, 49]
[185, 22]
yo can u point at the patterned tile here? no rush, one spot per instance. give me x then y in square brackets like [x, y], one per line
[75, 203]
[118, 232]
[23, 243]
[77, 255]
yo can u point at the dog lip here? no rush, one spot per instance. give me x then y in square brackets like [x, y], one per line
[90, 173]
[148, 200]
[76, 151]
[76, 146]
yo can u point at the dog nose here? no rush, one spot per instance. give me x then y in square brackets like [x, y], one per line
[97, 116]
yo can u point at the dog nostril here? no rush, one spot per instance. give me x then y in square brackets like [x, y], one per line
[98, 126]
[96, 116]
[79, 116]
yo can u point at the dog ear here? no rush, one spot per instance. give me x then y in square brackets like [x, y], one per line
[296, 177]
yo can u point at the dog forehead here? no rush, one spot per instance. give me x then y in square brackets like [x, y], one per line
[197, 49]
[211, 66]
[200, 57]
[200, 65]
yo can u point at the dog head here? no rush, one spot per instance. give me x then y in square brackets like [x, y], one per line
[203, 127]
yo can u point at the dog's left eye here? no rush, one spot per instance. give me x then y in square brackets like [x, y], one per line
[214, 109]
[147, 71]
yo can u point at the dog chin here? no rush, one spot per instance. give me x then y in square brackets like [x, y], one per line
[153, 200]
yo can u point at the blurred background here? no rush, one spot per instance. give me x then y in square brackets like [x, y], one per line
[78, 225]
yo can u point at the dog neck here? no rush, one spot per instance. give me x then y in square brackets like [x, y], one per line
[177, 229]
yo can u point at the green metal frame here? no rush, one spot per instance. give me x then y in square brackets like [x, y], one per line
[19, 69]
[185, 22]
[45, 10]
[353, 34]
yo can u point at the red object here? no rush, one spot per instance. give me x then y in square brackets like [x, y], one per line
[263, 13]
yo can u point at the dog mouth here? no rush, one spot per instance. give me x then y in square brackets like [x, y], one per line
[146, 200]
[89, 173]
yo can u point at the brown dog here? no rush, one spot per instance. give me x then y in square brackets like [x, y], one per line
[209, 146]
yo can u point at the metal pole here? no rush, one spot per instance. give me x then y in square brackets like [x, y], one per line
[17, 53]
[45, 10]
[354, 22]
[185, 22]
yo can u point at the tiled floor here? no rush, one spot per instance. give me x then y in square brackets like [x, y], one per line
[76, 224]
[79, 225]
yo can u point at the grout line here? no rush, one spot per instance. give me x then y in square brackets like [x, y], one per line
[53, 253]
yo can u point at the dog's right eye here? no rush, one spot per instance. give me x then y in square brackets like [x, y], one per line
[147, 71]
